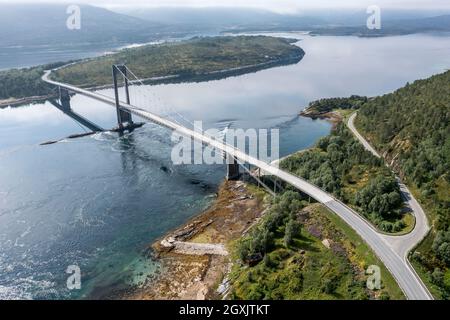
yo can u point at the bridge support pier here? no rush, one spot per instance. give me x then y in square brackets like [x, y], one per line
[123, 117]
[64, 99]
[232, 169]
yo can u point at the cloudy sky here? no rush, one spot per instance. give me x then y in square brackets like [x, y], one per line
[274, 5]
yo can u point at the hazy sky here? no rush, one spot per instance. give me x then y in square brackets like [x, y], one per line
[274, 5]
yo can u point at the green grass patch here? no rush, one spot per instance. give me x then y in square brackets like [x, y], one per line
[364, 255]
[306, 267]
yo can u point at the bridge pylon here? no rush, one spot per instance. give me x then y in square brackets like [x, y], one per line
[123, 117]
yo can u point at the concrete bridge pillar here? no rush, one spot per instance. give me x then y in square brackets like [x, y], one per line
[64, 98]
[232, 168]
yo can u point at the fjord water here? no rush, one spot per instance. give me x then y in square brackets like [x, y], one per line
[99, 201]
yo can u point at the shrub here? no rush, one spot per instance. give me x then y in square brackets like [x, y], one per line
[268, 262]
[384, 296]
[437, 277]
[292, 231]
[329, 286]
[441, 246]
[386, 226]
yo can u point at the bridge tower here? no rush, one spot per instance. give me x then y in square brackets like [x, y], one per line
[122, 116]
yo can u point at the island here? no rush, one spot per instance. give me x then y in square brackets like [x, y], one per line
[197, 59]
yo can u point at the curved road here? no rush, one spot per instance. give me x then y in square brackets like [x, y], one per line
[397, 265]
[400, 244]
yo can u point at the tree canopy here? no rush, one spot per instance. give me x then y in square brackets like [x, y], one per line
[339, 164]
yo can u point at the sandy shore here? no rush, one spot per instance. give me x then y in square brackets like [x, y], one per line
[195, 257]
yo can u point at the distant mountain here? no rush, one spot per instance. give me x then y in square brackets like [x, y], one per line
[391, 27]
[223, 19]
[337, 21]
[439, 23]
[358, 17]
[45, 24]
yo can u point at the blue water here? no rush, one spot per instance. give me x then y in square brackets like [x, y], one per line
[24, 56]
[99, 201]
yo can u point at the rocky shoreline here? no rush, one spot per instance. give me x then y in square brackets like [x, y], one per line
[332, 116]
[195, 258]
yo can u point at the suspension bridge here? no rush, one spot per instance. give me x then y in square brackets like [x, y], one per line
[406, 277]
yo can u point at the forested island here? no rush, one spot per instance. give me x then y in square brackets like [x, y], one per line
[191, 60]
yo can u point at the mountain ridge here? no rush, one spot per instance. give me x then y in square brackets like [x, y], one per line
[45, 24]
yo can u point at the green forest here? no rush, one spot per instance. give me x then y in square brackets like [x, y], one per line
[186, 59]
[411, 127]
[340, 165]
